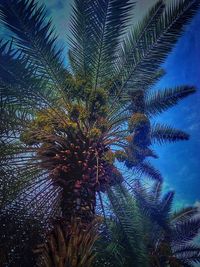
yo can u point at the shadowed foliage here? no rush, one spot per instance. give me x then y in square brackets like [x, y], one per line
[171, 232]
[144, 230]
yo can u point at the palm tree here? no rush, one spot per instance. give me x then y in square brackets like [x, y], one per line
[63, 128]
[172, 232]
[145, 231]
[124, 236]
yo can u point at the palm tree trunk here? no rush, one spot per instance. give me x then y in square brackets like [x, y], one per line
[80, 204]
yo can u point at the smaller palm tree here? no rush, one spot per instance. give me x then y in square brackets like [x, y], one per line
[122, 242]
[171, 232]
[145, 231]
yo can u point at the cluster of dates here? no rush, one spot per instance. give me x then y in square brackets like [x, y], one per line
[79, 165]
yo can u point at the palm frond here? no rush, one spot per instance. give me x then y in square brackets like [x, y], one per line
[158, 42]
[160, 101]
[185, 231]
[149, 171]
[13, 119]
[166, 203]
[156, 190]
[144, 201]
[96, 29]
[110, 248]
[81, 49]
[20, 85]
[183, 214]
[15, 182]
[35, 38]
[189, 253]
[112, 19]
[134, 41]
[154, 208]
[14, 67]
[154, 78]
[164, 133]
[126, 211]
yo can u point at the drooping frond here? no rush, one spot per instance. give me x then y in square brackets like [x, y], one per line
[164, 133]
[185, 231]
[20, 86]
[35, 37]
[183, 214]
[158, 42]
[188, 254]
[159, 101]
[149, 171]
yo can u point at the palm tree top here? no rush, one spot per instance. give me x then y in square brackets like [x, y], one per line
[104, 96]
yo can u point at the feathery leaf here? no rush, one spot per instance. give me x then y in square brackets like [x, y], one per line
[160, 101]
[158, 42]
[35, 38]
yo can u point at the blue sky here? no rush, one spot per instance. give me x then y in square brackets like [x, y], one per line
[179, 163]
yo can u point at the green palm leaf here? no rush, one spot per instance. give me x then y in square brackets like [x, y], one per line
[20, 86]
[134, 43]
[159, 101]
[164, 133]
[35, 38]
[125, 209]
[174, 232]
[146, 168]
[184, 214]
[96, 32]
[185, 231]
[81, 50]
[158, 42]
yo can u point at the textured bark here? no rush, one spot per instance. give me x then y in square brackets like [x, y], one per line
[69, 245]
[80, 205]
